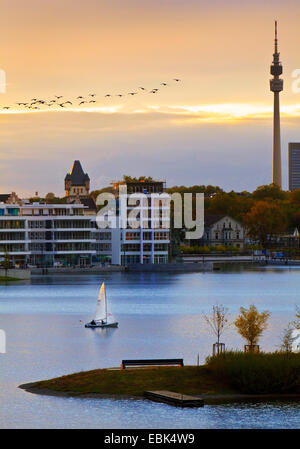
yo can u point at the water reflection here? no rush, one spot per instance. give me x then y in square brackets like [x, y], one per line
[160, 315]
[104, 332]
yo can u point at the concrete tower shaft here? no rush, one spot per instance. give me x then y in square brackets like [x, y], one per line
[276, 86]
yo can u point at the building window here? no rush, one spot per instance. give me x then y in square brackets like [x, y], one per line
[12, 211]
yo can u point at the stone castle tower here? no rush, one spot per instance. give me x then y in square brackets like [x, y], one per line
[77, 183]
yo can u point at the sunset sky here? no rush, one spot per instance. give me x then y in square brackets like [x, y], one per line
[212, 127]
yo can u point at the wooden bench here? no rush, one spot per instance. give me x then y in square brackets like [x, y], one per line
[149, 362]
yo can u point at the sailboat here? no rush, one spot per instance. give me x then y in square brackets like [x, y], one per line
[296, 340]
[102, 317]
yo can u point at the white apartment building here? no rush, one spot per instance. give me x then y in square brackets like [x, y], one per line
[46, 234]
[68, 234]
[145, 237]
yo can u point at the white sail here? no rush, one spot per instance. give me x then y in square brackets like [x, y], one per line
[110, 318]
[101, 305]
[296, 340]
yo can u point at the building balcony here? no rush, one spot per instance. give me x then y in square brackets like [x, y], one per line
[6, 242]
[61, 252]
[21, 253]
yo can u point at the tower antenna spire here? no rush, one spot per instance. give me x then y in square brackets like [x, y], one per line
[276, 39]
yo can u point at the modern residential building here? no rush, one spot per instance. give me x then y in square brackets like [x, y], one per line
[44, 234]
[146, 238]
[294, 165]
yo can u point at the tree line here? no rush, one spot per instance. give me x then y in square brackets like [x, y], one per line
[250, 324]
[266, 212]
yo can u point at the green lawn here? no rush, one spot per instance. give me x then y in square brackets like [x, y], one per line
[187, 380]
[8, 279]
[230, 373]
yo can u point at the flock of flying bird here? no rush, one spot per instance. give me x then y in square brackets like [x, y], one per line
[90, 99]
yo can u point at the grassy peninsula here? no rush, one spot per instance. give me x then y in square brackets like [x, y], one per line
[232, 373]
[134, 381]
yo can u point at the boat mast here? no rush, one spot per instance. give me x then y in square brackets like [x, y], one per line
[105, 303]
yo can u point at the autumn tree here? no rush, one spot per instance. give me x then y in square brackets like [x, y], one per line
[207, 190]
[128, 178]
[270, 192]
[217, 320]
[50, 196]
[230, 204]
[263, 220]
[250, 324]
[294, 197]
[287, 339]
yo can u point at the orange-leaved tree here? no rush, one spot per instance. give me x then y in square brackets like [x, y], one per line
[251, 323]
[265, 220]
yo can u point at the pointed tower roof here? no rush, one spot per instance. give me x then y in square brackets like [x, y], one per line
[77, 175]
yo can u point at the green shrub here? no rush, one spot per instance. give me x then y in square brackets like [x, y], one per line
[205, 249]
[220, 248]
[258, 373]
[252, 247]
[194, 249]
[233, 249]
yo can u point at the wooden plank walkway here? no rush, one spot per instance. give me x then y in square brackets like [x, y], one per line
[171, 398]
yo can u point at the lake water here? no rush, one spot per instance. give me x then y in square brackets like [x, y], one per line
[160, 316]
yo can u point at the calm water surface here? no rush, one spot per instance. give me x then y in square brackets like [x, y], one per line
[160, 315]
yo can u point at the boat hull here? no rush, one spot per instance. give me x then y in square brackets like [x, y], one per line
[100, 325]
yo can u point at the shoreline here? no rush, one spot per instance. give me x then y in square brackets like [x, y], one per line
[29, 388]
[174, 267]
[209, 399]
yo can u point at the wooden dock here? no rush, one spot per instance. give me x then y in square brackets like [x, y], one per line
[171, 398]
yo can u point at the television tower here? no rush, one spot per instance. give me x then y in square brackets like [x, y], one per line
[276, 86]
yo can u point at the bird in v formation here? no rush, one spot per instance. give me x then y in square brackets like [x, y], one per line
[35, 103]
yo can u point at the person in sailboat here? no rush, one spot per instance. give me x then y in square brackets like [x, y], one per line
[101, 318]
